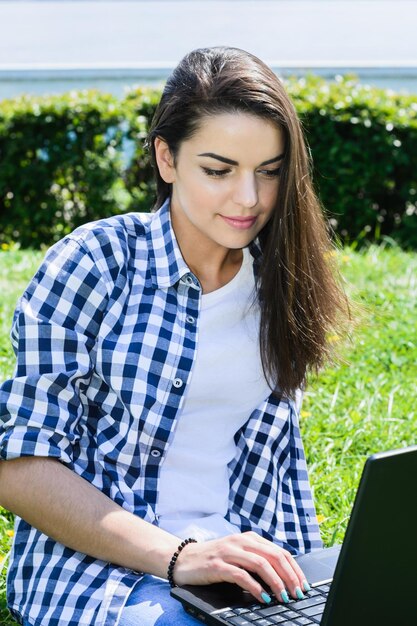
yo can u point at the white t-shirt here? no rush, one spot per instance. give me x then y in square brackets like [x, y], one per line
[227, 384]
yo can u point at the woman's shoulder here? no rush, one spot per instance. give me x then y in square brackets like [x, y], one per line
[114, 228]
[112, 239]
[107, 246]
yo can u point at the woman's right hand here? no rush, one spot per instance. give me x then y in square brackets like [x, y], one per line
[29, 486]
[234, 558]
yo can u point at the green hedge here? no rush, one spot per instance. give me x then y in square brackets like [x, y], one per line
[59, 164]
[66, 160]
[364, 146]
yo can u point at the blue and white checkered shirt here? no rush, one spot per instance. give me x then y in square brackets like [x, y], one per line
[105, 338]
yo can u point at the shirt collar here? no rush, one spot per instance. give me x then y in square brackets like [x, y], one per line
[256, 250]
[166, 261]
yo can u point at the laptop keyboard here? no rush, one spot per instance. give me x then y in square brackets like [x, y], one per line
[295, 613]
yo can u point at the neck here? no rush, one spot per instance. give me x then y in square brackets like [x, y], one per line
[212, 276]
[214, 265]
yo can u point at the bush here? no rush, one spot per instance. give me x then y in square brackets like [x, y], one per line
[140, 105]
[364, 145]
[60, 164]
[66, 160]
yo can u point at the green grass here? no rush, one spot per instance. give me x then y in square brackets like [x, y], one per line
[16, 269]
[363, 405]
[366, 404]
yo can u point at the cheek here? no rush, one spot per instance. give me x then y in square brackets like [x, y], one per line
[269, 195]
[207, 189]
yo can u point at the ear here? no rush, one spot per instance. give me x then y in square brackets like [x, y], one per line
[164, 160]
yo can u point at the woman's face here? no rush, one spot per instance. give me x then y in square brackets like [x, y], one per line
[225, 180]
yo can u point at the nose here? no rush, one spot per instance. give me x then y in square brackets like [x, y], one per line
[246, 191]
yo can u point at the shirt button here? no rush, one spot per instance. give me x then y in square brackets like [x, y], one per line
[190, 319]
[178, 383]
[189, 280]
[155, 453]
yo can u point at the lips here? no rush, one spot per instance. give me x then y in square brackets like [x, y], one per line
[241, 223]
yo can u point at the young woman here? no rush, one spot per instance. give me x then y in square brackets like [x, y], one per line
[160, 359]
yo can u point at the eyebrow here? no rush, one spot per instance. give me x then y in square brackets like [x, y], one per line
[231, 162]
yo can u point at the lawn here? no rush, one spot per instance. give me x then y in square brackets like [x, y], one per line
[364, 404]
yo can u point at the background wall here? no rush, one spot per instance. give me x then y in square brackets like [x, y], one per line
[52, 46]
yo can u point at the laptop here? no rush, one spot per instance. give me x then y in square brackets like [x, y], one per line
[370, 580]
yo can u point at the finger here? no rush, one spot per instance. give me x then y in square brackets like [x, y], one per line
[242, 578]
[274, 546]
[301, 576]
[285, 565]
[259, 565]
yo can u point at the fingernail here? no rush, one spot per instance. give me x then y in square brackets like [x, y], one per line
[265, 597]
[306, 586]
[284, 596]
[299, 593]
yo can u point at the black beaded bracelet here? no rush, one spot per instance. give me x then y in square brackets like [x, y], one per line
[174, 560]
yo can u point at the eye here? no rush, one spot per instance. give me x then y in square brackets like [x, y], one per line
[271, 173]
[215, 173]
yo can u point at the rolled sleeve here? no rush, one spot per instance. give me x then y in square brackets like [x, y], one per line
[54, 332]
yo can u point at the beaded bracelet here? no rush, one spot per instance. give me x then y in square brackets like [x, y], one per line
[174, 559]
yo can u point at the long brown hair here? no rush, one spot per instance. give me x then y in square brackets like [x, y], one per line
[300, 298]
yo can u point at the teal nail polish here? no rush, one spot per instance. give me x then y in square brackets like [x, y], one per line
[284, 596]
[299, 593]
[265, 597]
[306, 586]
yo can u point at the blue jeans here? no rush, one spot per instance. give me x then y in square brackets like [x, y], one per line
[150, 604]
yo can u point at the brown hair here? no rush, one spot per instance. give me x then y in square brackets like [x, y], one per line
[300, 299]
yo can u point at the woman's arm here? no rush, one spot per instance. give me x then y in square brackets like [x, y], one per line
[64, 506]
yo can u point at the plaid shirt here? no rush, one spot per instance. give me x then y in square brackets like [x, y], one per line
[105, 337]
